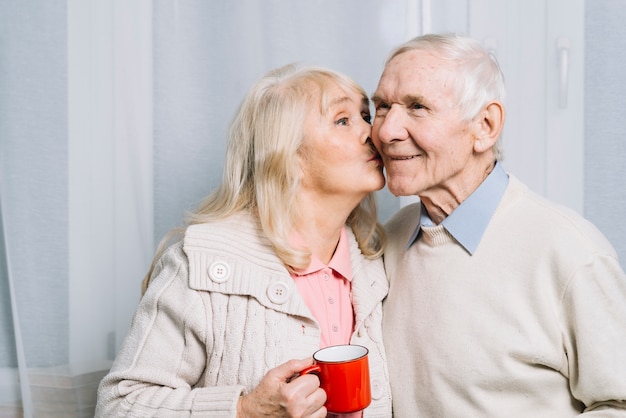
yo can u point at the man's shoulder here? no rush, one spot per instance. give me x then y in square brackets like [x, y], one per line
[555, 222]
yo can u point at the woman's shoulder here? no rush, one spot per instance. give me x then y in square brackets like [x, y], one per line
[237, 239]
[231, 232]
[236, 223]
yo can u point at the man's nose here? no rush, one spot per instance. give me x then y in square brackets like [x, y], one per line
[392, 126]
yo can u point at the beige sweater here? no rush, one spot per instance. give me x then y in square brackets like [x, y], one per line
[532, 325]
[221, 310]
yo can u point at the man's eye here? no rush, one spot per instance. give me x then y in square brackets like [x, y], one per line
[381, 109]
[416, 106]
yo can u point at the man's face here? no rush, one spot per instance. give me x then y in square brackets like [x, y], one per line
[418, 126]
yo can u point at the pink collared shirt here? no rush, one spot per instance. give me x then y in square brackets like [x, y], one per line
[326, 291]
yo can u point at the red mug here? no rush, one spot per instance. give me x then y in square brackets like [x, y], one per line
[344, 375]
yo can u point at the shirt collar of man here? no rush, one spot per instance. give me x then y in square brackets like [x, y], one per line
[339, 263]
[468, 222]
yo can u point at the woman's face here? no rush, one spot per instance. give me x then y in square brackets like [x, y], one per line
[337, 157]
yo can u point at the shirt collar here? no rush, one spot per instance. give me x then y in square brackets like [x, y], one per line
[340, 261]
[468, 222]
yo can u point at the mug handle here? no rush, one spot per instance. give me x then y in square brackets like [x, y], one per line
[311, 369]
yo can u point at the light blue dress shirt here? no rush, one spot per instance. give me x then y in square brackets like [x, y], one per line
[467, 223]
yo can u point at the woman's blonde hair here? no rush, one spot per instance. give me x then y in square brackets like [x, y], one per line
[261, 171]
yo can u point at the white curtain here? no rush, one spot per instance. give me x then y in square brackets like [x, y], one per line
[34, 286]
[605, 130]
[113, 118]
[207, 54]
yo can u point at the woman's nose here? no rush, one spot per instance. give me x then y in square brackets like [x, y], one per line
[367, 130]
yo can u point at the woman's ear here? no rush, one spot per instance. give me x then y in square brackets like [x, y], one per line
[488, 126]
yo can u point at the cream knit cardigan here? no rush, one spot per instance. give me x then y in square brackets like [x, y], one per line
[220, 311]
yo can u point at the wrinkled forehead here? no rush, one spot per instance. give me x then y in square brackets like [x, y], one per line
[418, 73]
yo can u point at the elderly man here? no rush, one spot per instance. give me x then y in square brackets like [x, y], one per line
[501, 303]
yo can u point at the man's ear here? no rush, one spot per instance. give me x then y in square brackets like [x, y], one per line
[488, 125]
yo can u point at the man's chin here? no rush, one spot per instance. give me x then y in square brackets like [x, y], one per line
[400, 189]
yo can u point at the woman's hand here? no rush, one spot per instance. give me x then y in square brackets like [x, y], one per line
[280, 394]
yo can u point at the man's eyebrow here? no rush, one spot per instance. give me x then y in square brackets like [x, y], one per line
[407, 99]
[411, 98]
[376, 98]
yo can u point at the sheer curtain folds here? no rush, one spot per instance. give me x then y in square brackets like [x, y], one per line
[76, 178]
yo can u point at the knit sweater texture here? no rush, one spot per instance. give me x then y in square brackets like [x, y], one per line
[221, 310]
[533, 324]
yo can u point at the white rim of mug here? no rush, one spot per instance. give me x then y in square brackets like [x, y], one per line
[362, 352]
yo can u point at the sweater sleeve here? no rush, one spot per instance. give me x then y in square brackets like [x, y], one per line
[163, 357]
[595, 336]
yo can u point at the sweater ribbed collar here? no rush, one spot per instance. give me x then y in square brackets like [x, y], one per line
[468, 222]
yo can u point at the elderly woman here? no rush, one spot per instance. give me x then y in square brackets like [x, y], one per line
[282, 259]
